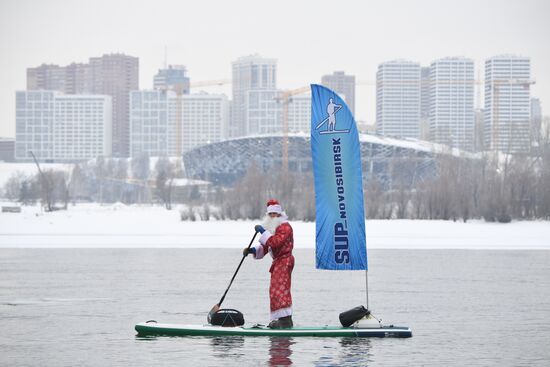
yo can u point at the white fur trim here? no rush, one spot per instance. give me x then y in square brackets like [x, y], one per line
[281, 312]
[265, 236]
[259, 252]
[274, 209]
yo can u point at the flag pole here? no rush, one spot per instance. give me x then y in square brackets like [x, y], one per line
[367, 283]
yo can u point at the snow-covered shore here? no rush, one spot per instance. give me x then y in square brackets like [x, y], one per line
[93, 225]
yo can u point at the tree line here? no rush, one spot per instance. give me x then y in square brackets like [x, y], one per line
[492, 187]
[102, 180]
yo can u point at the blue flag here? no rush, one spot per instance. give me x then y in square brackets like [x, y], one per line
[336, 154]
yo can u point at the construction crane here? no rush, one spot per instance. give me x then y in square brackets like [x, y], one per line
[285, 97]
[495, 86]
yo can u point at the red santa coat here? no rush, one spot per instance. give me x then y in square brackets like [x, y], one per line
[279, 245]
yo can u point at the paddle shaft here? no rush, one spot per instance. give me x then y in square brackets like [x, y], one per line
[236, 271]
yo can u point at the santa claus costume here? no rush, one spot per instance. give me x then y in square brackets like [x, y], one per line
[277, 240]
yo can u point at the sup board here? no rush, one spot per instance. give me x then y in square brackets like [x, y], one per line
[153, 328]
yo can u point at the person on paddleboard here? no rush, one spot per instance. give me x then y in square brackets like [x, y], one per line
[277, 239]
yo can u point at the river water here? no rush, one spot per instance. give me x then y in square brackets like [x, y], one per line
[78, 307]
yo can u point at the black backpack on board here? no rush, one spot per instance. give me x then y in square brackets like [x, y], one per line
[347, 318]
[227, 317]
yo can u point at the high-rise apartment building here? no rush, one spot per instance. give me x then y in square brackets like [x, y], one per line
[205, 119]
[342, 84]
[507, 103]
[116, 75]
[70, 79]
[113, 74]
[425, 92]
[153, 121]
[59, 127]
[299, 114]
[452, 102]
[77, 79]
[46, 77]
[263, 112]
[7, 149]
[425, 103]
[398, 99]
[173, 78]
[254, 82]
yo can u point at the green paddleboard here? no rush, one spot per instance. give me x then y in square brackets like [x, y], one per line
[153, 328]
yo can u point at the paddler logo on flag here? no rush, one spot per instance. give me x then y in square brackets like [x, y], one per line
[332, 109]
[336, 155]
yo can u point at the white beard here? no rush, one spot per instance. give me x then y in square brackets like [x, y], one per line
[271, 224]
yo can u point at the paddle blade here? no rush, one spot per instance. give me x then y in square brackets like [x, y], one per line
[214, 309]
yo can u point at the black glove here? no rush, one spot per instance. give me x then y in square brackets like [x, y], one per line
[249, 250]
[259, 228]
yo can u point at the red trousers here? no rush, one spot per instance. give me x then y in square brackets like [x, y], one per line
[279, 287]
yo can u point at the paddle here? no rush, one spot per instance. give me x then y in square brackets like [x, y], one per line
[217, 306]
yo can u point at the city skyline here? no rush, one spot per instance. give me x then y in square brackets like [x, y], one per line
[215, 34]
[400, 103]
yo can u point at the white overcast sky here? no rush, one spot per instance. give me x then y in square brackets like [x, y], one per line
[308, 38]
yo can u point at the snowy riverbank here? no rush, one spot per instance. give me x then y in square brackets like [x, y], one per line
[93, 225]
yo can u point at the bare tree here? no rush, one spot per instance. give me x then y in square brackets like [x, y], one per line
[542, 195]
[164, 176]
[417, 203]
[13, 187]
[140, 166]
[373, 196]
[463, 188]
[76, 183]
[141, 171]
[304, 198]
[26, 194]
[248, 196]
[99, 171]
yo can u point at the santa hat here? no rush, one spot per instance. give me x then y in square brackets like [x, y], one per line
[273, 206]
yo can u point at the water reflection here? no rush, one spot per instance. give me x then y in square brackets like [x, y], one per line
[344, 352]
[280, 351]
[355, 351]
[227, 346]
